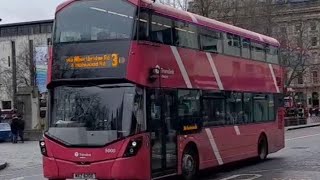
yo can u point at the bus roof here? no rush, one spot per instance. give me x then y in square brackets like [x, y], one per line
[197, 19]
[211, 23]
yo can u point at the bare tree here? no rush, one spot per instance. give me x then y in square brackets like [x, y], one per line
[5, 79]
[179, 4]
[26, 75]
[296, 52]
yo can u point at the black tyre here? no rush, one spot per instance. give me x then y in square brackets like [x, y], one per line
[262, 148]
[190, 164]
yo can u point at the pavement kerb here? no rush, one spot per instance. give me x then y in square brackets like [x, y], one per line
[3, 165]
[303, 126]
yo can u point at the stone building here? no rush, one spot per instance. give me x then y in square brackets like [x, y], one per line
[19, 50]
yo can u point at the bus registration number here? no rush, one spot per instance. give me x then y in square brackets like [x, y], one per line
[84, 176]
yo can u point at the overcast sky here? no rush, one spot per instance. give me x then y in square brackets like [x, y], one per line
[13, 11]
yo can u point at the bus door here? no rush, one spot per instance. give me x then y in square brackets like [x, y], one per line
[162, 124]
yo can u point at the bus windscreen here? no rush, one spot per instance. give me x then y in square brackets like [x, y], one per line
[95, 115]
[96, 20]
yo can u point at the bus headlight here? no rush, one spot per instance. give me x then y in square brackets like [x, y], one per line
[43, 148]
[133, 147]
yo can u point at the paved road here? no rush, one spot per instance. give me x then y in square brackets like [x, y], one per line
[300, 160]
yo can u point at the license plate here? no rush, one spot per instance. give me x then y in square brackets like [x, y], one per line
[84, 176]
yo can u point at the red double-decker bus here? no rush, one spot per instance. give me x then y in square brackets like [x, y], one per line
[139, 90]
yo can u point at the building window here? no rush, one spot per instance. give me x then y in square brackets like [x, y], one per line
[300, 78]
[315, 77]
[298, 27]
[314, 41]
[6, 105]
[23, 30]
[46, 28]
[9, 61]
[313, 26]
[9, 31]
[35, 29]
[283, 30]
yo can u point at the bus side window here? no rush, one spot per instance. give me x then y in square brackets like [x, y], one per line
[161, 30]
[272, 54]
[213, 108]
[234, 109]
[232, 44]
[258, 51]
[271, 108]
[210, 41]
[143, 29]
[260, 107]
[189, 107]
[185, 35]
[245, 48]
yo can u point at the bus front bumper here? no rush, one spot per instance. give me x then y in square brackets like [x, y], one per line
[121, 168]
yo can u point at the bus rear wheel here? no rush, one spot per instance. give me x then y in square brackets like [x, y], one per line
[189, 164]
[262, 148]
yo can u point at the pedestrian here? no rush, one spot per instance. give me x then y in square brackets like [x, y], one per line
[14, 128]
[21, 125]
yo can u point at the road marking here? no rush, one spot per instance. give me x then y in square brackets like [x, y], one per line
[254, 176]
[302, 137]
[19, 178]
[214, 146]
[266, 170]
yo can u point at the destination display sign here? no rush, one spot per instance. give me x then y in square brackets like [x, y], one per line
[95, 61]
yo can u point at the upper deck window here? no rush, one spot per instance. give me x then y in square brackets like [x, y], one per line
[272, 54]
[210, 40]
[186, 35]
[94, 20]
[245, 50]
[232, 44]
[258, 51]
[161, 30]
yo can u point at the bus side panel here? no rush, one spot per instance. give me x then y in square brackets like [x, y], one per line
[231, 143]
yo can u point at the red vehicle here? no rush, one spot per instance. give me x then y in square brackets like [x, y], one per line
[139, 90]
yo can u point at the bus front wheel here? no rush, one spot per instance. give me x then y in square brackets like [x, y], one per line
[262, 148]
[190, 164]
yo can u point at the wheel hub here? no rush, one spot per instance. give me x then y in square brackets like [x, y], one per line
[188, 163]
